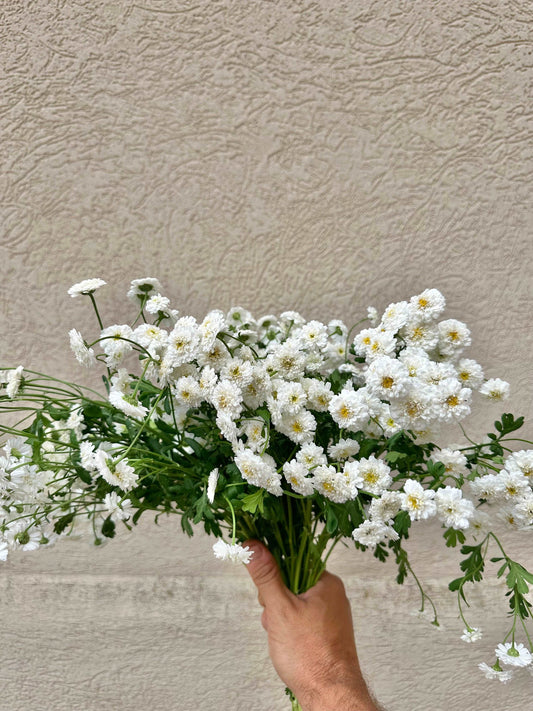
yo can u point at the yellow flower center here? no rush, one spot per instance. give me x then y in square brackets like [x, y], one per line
[345, 412]
[414, 501]
[422, 302]
[328, 486]
[387, 381]
[452, 401]
[371, 477]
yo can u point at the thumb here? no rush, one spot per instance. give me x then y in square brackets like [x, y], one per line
[266, 575]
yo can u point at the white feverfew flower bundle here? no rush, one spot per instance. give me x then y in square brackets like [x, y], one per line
[293, 432]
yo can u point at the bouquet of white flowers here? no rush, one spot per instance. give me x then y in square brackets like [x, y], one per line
[293, 432]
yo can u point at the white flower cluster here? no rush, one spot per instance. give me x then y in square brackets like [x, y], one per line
[409, 373]
[510, 490]
[27, 489]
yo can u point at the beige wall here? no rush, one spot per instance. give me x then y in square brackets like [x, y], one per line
[321, 156]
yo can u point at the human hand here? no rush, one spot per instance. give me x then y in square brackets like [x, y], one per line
[310, 638]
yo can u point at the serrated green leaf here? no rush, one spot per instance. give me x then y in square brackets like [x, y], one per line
[254, 501]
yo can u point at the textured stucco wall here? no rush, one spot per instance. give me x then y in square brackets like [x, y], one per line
[321, 156]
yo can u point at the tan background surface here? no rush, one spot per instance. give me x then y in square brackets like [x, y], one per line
[321, 156]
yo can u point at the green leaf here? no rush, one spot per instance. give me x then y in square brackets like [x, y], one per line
[393, 457]
[453, 536]
[63, 522]
[331, 521]
[108, 528]
[402, 524]
[254, 501]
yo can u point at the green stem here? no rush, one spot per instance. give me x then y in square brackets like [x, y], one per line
[91, 296]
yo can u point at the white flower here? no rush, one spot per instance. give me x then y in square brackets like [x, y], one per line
[507, 514]
[453, 460]
[417, 501]
[453, 337]
[226, 424]
[213, 323]
[319, 394]
[291, 318]
[515, 655]
[256, 392]
[291, 397]
[372, 342]
[453, 401]
[385, 507]
[182, 342]
[215, 357]
[495, 389]
[14, 378]
[452, 509]
[212, 484]
[87, 458]
[521, 461]
[142, 287]
[313, 334]
[17, 448]
[187, 391]
[419, 334]
[343, 449]
[370, 533]
[75, 421]
[480, 523]
[436, 373]
[85, 287]
[237, 317]
[428, 305]
[415, 410]
[111, 340]
[370, 474]
[299, 428]
[296, 474]
[470, 373]
[234, 553]
[471, 634]
[333, 485]
[151, 337]
[524, 509]
[349, 409]
[395, 316]
[119, 510]
[84, 355]
[495, 673]
[256, 433]
[119, 473]
[127, 404]
[415, 359]
[157, 303]
[237, 371]
[227, 398]
[287, 360]
[488, 487]
[372, 315]
[208, 380]
[254, 468]
[311, 455]
[512, 485]
[387, 377]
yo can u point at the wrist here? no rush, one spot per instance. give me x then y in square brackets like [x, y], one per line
[341, 697]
